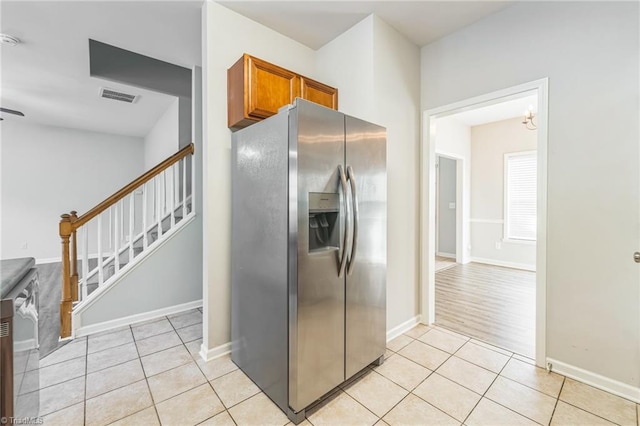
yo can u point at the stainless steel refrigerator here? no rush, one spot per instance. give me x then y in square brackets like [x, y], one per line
[308, 267]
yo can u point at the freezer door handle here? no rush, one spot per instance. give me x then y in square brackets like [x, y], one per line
[343, 260]
[356, 219]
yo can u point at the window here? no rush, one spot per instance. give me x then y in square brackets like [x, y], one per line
[520, 196]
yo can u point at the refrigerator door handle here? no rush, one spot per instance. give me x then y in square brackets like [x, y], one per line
[343, 260]
[356, 219]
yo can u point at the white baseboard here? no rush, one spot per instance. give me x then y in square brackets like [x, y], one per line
[217, 352]
[224, 349]
[597, 381]
[495, 262]
[447, 255]
[133, 319]
[402, 328]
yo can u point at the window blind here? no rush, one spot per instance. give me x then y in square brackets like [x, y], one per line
[520, 215]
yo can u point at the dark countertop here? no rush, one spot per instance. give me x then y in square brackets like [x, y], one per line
[13, 270]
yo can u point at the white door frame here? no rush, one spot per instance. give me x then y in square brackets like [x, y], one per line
[461, 230]
[427, 197]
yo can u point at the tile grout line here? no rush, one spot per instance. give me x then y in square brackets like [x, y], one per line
[589, 412]
[120, 387]
[413, 362]
[205, 376]
[487, 390]
[146, 380]
[534, 389]
[139, 358]
[434, 371]
[86, 355]
[415, 387]
[366, 374]
[417, 396]
[502, 405]
[86, 373]
[557, 400]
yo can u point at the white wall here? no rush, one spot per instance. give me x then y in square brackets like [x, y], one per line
[162, 141]
[47, 171]
[227, 36]
[489, 143]
[446, 220]
[453, 140]
[396, 89]
[357, 62]
[376, 70]
[346, 62]
[590, 53]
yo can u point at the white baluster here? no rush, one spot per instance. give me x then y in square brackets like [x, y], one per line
[110, 233]
[176, 184]
[159, 206]
[132, 217]
[85, 260]
[100, 266]
[122, 219]
[144, 216]
[193, 183]
[172, 193]
[184, 187]
[116, 237]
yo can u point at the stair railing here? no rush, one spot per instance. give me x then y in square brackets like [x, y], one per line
[135, 218]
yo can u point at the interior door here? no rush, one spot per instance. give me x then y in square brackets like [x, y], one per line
[316, 333]
[366, 295]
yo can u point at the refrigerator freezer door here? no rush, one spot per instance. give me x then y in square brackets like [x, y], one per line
[316, 313]
[366, 295]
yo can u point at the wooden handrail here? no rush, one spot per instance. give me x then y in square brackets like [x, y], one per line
[132, 186]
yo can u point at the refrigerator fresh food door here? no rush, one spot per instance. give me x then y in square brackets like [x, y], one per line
[366, 295]
[316, 238]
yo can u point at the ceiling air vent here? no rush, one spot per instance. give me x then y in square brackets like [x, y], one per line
[118, 96]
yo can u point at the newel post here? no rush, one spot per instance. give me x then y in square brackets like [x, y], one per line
[66, 304]
[74, 259]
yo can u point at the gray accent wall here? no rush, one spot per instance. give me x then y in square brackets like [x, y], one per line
[446, 215]
[170, 276]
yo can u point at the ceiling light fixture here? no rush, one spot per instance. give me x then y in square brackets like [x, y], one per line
[9, 39]
[528, 119]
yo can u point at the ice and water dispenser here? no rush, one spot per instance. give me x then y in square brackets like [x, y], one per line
[324, 222]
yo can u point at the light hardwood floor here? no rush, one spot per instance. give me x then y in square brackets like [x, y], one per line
[490, 303]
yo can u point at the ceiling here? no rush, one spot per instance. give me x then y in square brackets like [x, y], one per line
[315, 23]
[497, 112]
[47, 77]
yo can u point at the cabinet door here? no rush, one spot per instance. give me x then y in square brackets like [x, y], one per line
[319, 93]
[270, 87]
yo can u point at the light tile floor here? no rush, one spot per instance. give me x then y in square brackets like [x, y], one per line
[151, 373]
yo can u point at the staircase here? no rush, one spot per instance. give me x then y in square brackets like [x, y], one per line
[117, 234]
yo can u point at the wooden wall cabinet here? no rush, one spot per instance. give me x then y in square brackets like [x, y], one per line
[257, 89]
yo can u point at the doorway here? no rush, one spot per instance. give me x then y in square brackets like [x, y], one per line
[431, 208]
[446, 207]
